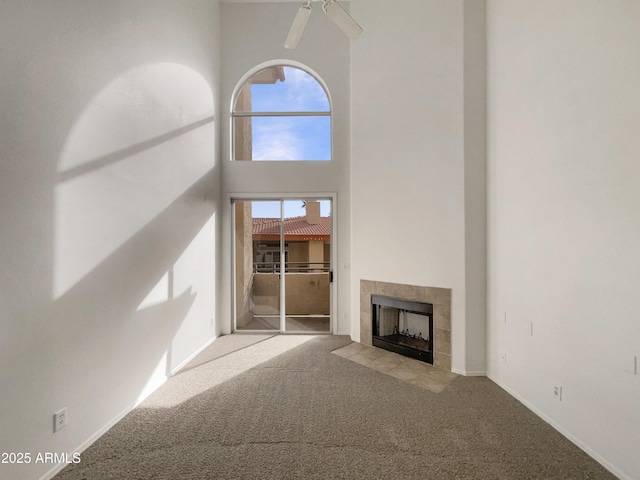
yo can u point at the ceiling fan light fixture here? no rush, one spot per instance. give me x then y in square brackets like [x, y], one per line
[298, 26]
[341, 18]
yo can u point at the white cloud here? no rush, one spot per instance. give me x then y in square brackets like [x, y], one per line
[276, 141]
[304, 91]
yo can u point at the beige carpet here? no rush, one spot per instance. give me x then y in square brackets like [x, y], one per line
[285, 407]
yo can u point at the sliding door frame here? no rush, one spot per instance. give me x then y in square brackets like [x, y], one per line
[273, 197]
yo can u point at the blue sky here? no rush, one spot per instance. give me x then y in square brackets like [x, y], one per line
[291, 138]
[300, 92]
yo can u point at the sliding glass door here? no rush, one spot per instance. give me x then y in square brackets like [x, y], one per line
[282, 277]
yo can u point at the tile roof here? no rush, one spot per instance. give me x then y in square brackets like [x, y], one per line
[295, 228]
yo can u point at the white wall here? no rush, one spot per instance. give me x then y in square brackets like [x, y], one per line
[254, 33]
[475, 185]
[109, 219]
[409, 158]
[564, 213]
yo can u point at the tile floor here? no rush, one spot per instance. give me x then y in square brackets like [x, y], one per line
[293, 324]
[403, 368]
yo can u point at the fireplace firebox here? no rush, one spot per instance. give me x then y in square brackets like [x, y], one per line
[403, 326]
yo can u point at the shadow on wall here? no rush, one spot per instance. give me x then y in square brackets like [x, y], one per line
[111, 183]
[128, 205]
[111, 175]
[109, 302]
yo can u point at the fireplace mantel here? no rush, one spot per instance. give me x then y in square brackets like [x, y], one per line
[439, 297]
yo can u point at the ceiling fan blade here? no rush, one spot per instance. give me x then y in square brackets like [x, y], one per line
[341, 18]
[298, 26]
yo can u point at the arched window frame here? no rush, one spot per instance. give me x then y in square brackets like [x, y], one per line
[235, 114]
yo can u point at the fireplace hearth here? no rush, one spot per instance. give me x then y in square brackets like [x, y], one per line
[402, 326]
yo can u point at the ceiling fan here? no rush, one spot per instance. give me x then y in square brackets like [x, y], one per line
[333, 10]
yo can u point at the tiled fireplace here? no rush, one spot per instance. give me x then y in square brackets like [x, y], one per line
[440, 298]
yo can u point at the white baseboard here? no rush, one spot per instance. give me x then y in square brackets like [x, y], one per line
[470, 373]
[191, 357]
[93, 438]
[588, 450]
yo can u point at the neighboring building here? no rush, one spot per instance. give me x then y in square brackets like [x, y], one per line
[307, 242]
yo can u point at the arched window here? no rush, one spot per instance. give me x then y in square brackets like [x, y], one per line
[281, 112]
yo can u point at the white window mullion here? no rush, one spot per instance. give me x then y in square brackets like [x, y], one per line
[283, 306]
[281, 114]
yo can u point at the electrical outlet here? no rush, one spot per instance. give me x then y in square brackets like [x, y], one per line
[60, 420]
[557, 392]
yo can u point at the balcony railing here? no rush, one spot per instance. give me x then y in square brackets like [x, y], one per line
[292, 267]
